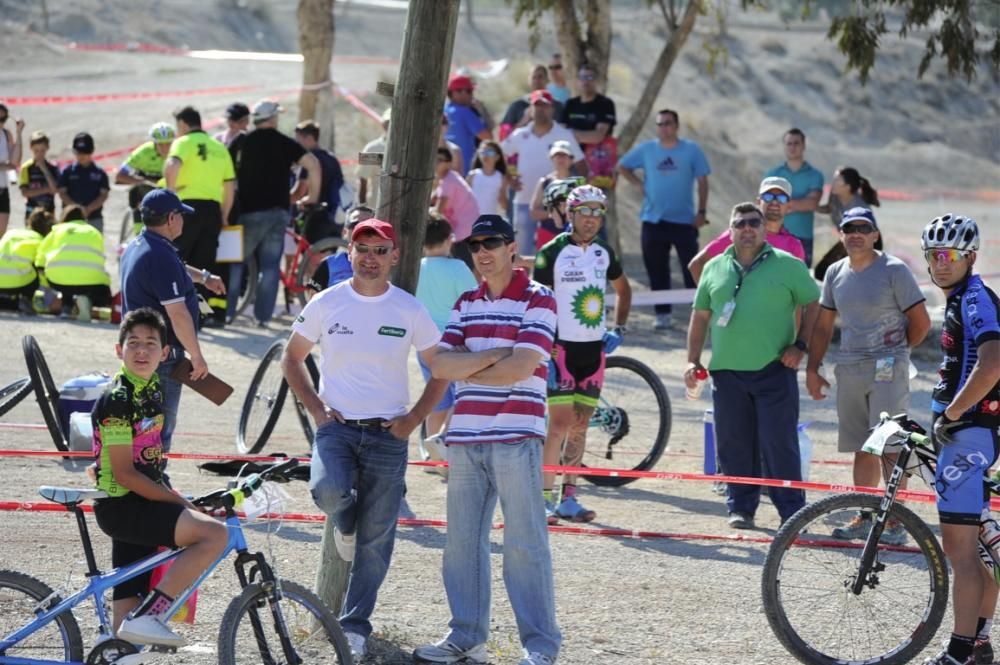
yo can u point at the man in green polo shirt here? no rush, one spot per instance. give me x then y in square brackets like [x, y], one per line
[748, 297]
[807, 187]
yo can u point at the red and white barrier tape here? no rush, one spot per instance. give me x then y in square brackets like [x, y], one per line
[46, 100]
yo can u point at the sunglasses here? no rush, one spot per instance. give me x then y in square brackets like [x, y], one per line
[486, 243]
[752, 222]
[945, 255]
[556, 67]
[665, 123]
[587, 77]
[590, 212]
[767, 197]
[3, 118]
[863, 229]
[488, 153]
[377, 250]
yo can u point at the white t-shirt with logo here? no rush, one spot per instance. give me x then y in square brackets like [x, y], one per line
[533, 161]
[364, 346]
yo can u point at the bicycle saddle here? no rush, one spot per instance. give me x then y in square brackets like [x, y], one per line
[69, 496]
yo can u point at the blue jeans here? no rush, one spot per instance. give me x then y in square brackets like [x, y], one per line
[524, 232]
[756, 435]
[171, 396]
[263, 237]
[357, 480]
[807, 245]
[477, 475]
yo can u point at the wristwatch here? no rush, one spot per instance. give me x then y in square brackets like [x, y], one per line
[621, 330]
[800, 345]
[205, 274]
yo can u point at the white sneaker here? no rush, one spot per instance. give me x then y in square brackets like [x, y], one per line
[446, 652]
[148, 630]
[357, 644]
[345, 543]
[536, 658]
[438, 452]
[663, 321]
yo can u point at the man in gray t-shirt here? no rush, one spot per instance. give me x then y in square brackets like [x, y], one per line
[882, 315]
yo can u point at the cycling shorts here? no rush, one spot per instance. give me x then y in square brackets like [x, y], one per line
[138, 528]
[579, 373]
[960, 480]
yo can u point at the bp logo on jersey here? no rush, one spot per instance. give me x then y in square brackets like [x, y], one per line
[588, 306]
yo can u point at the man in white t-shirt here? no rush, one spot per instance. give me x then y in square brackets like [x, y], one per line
[365, 327]
[528, 148]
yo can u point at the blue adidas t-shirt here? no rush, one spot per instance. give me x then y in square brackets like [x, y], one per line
[804, 182]
[669, 177]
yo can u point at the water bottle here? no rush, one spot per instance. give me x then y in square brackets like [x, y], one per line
[701, 375]
[989, 543]
[805, 450]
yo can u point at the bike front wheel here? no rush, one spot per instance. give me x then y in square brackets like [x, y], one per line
[261, 623]
[20, 598]
[631, 424]
[247, 286]
[808, 576]
[305, 418]
[262, 405]
[45, 390]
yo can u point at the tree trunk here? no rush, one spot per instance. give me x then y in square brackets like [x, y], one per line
[316, 35]
[671, 49]
[597, 48]
[570, 42]
[411, 149]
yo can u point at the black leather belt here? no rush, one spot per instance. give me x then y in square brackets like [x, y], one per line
[365, 422]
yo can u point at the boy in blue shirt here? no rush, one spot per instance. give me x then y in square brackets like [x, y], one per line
[335, 268]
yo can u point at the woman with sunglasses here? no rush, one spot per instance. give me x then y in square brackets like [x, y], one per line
[488, 178]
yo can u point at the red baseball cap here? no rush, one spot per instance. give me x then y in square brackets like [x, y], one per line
[458, 82]
[376, 226]
[543, 96]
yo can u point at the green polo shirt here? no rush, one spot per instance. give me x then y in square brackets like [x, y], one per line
[763, 322]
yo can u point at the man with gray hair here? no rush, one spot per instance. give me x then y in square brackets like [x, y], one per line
[263, 170]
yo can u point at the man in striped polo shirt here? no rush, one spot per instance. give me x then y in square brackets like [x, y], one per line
[496, 346]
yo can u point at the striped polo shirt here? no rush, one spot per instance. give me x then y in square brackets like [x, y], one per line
[524, 316]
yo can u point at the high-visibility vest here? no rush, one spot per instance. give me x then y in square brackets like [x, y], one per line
[17, 257]
[73, 255]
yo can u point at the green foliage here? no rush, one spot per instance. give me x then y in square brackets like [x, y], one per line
[532, 12]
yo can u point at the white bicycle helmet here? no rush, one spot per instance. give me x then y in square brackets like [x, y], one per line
[558, 191]
[161, 132]
[951, 231]
[586, 194]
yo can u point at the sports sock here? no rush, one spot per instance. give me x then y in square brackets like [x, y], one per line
[960, 647]
[983, 628]
[155, 604]
[569, 491]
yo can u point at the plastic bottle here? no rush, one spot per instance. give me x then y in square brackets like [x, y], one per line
[989, 543]
[805, 450]
[701, 375]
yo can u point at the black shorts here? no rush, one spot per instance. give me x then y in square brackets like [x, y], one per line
[138, 528]
[4, 199]
[579, 373]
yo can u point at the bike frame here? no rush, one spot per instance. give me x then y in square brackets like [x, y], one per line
[292, 269]
[100, 583]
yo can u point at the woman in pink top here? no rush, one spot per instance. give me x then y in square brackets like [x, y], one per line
[453, 198]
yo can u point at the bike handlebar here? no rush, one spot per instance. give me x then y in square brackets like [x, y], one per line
[233, 497]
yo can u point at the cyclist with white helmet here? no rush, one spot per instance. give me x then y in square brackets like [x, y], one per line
[143, 168]
[577, 265]
[966, 410]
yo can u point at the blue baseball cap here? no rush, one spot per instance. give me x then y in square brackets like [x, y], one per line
[858, 214]
[492, 225]
[164, 202]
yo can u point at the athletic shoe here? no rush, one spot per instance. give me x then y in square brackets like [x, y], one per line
[982, 653]
[535, 658]
[740, 521]
[893, 534]
[446, 652]
[944, 659]
[550, 513]
[357, 644]
[856, 529]
[345, 543]
[720, 488]
[570, 509]
[437, 452]
[663, 321]
[148, 630]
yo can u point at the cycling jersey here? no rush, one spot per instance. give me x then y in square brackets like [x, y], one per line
[129, 413]
[970, 319]
[145, 162]
[579, 276]
[32, 178]
[205, 166]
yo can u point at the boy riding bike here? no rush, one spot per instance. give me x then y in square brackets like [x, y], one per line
[141, 512]
[966, 411]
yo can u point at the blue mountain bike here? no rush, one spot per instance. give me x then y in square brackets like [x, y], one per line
[272, 621]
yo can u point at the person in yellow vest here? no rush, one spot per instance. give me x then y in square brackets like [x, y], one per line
[18, 277]
[72, 258]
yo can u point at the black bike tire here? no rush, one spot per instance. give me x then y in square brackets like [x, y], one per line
[304, 418]
[663, 431]
[326, 245]
[38, 591]
[919, 533]
[255, 596]
[243, 446]
[45, 390]
[12, 394]
[251, 274]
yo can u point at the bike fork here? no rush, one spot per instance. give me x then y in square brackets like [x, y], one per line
[870, 551]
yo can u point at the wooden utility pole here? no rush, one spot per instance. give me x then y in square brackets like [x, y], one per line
[411, 150]
[405, 185]
[316, 35]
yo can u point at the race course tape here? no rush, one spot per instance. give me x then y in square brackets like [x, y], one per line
[920, 496]
[123, 96]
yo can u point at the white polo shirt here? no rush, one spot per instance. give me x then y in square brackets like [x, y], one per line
[533, 161]
[364, 344]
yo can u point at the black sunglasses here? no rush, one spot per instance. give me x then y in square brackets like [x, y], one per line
[487, 243]
[555, 66]
[3, 118]
[863, 229]
[752, 222]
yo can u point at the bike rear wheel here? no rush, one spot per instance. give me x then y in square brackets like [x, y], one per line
[310, 260]
[807, 579]
[306, 420]
[255, 624]
[20, 597]
[631, 424]
[45, 390]
[262, 405]
[12, 394]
